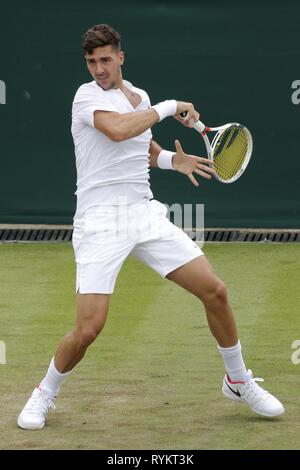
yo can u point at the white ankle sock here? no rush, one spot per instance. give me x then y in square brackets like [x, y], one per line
[234, 363]
[53, 379]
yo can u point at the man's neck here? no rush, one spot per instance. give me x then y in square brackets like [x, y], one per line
[119, 83]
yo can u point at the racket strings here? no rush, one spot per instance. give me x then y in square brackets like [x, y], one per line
[230, 152]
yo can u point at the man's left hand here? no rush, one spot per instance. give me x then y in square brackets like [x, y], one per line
[189, 164]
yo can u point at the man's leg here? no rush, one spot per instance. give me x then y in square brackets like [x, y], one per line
[92, 312]
[198, 277]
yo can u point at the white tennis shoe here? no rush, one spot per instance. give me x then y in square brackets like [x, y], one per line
[33, 415]
[249, 392]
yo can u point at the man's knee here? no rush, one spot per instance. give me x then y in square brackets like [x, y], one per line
[87, 334]
[220, 292]
[92, 311]
[215, 294]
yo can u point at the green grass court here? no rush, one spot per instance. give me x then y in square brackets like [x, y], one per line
[152, 380]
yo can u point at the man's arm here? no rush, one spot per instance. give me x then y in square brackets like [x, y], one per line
[119, 127]
[154, 151]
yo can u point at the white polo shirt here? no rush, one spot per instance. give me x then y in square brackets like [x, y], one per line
[108, 172]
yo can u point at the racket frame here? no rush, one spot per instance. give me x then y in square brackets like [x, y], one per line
[210, 147]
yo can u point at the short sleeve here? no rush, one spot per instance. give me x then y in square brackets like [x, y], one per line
[89, 99]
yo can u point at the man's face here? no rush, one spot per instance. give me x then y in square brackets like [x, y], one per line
[104, 65]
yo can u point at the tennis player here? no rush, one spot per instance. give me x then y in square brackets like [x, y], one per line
[116, 216]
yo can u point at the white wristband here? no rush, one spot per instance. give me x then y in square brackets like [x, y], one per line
[164, 160]
[165, 108]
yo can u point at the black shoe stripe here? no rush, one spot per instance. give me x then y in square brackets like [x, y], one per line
[237, 393]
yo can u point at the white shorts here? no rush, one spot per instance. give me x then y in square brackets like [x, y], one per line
[106, 235]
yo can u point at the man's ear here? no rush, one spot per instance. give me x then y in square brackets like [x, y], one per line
[122, 57]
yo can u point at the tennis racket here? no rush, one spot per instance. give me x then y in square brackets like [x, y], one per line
[230, 149]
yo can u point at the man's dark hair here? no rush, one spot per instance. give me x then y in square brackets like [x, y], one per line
[101, 35]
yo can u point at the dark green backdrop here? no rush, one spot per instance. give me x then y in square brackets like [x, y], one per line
[235, 60]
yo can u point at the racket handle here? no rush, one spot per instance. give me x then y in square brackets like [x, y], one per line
[199, 126]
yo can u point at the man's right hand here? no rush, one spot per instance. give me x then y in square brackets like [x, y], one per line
[193, 115]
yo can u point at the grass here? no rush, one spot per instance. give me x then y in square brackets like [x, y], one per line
[152, 379]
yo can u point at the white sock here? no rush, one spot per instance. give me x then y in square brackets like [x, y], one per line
[53, 379]
[234, 363]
